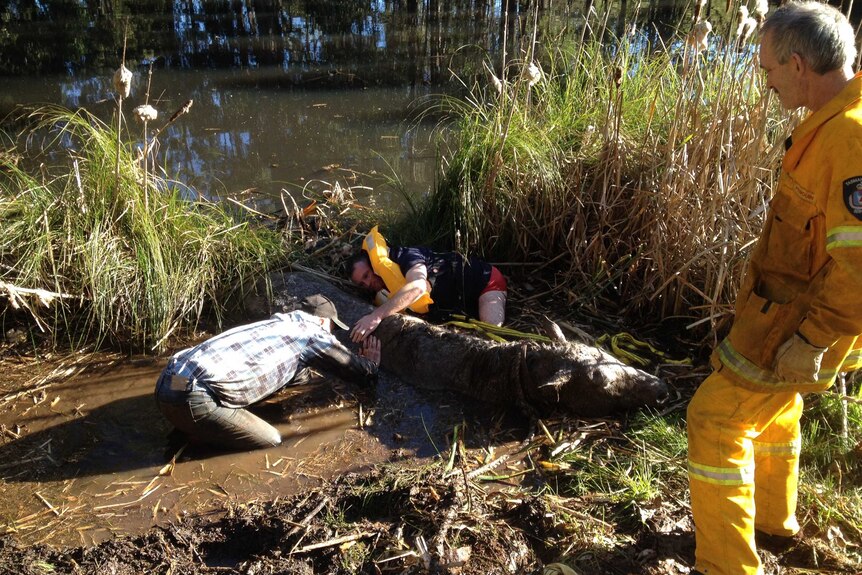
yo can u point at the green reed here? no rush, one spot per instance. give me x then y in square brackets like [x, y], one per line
[134, 260]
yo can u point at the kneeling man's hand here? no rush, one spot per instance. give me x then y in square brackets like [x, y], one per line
[371, 349]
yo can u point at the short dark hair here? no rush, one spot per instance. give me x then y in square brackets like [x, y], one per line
[360, 256]
[819, 33]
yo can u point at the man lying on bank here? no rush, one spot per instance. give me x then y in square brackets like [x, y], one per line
[205, 389]
[423, 281]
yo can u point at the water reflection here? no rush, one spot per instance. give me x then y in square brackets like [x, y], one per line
[243, 134]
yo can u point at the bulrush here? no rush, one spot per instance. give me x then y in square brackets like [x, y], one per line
[145, 113]
[698, 38]
[761, 7]
[123, 81]
[495, 81]
[745, 24]
[534, 74]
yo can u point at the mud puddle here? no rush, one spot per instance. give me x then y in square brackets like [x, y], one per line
[89, 457]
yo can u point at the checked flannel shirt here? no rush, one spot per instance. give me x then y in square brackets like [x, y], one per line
[248, 363]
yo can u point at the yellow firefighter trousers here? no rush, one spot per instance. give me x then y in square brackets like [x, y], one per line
[743, 451]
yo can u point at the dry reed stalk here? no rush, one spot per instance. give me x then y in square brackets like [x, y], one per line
[143, 496]
[180, 112]
[47, 504]
[23, 461]
[337, 541]
[130, 482]
[303, 524]
[21, 522]
[112, 494]
[65, 369]
[145, 114]
[122, 82]
[51, 527]
[679, 194]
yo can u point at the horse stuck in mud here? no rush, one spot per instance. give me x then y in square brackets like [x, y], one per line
[539, 379]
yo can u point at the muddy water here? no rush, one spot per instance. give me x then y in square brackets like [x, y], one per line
[246, 136]
[85, 458]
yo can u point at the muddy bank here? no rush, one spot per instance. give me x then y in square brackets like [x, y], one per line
[403, 520]
[86, 456]
[394, 480]
[389, 521]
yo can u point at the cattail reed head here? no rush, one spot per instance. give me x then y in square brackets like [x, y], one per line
[761, 7]
[495, 81]
[145, 113]
[698, 38]
[123, 81]
[534, 74]
[699, 5]
[745, 24]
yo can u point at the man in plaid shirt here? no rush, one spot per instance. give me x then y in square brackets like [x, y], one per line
[205, 389]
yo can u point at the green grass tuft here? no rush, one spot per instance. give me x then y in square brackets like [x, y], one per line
[135, 261]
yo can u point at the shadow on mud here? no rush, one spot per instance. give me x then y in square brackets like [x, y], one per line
[122, 435]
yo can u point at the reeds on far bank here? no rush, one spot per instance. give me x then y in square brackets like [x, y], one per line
[140, 260]
[641, 170]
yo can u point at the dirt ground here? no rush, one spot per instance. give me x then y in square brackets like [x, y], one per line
[392, 520]
[468, 511]
[461, 509]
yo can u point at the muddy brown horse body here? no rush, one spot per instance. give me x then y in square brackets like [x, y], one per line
[540, 379]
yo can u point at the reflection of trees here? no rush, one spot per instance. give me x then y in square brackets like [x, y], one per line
[237, 139]
[25, 48]
[275, 44]
[259, 48]
[665, 14]
[323, 43]
[337, 16]
[387, 42]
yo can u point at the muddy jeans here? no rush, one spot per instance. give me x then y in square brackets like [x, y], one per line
[194, 411]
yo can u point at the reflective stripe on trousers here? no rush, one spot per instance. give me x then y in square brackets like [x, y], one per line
[743, 456]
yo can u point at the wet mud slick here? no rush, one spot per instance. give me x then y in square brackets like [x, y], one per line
[88, 457]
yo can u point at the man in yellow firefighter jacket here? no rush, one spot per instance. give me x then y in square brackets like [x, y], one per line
[799, 309]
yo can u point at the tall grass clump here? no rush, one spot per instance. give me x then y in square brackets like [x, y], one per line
[641, 170]
[124, 256]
